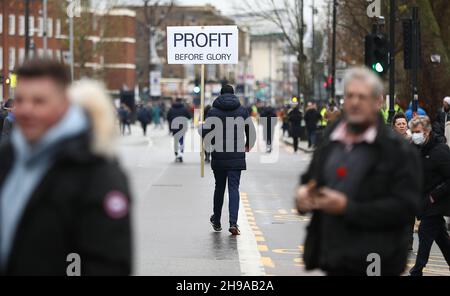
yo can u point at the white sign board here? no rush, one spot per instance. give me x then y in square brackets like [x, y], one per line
[202, 45]
[339, 87]
[155, 83]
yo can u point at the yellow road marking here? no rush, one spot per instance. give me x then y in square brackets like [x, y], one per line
[260, 239]
[267, 262]
[263, 248]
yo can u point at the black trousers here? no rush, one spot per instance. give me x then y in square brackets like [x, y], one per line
[144, 128]
[295, 143]
[431, 229]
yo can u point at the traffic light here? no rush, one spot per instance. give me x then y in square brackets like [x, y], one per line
[328, 82]
[377, 53]
[197, 86]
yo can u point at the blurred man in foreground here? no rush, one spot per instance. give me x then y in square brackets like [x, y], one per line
[62, 194]
[363, 187]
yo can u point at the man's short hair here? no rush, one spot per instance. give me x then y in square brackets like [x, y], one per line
[227, 89]
[364, 74]
[40, 68]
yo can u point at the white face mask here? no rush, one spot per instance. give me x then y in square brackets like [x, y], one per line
[418, 138]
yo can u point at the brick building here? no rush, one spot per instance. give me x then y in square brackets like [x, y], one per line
[105, 44]
[12, 37]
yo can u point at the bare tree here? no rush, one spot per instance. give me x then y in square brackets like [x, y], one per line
[287, 15]
[155, 14]
[93, 22]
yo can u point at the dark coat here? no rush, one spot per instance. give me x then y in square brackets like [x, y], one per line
[67, 214]
[312, 118]
[178, 110]
[378, 219]
[144, 115]
[228, 106]
[439, 126]
[295, 118]
[3, 115]
[8, 125]
[124, 115]
[436, 172]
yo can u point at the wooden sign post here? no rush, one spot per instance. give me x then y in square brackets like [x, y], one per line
[207, 45]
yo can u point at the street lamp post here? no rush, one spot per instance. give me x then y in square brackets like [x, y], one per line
[71, 45]
[27, 28]
[44, 33]
[313, 62]
[333, 54]
[392, 21]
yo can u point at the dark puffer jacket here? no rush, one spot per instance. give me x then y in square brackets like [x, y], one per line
[178, 110]
[228, 106]
[67, 213]
[436, 172]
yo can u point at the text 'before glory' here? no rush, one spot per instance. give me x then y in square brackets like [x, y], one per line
[201, 57]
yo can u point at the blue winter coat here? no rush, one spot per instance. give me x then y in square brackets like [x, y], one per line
[409, 112]
[144, 115]
[228, 106]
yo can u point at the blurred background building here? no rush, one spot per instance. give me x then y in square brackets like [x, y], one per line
[105, 43]
[125, 46]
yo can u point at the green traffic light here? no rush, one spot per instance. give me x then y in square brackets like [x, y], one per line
[378, 67]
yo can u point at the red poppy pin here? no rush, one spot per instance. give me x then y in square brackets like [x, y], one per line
[341, 172]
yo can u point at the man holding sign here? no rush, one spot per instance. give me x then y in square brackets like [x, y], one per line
[217, 45]
[230, 132]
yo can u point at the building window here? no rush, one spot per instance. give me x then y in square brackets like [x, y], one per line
[21, 55]
[50, 53]
[21, 25]
[50, 27]
[58, 55]
[31, 24]
[40, 53]
[40, 26]
[58, 28]
[12, 58]
[12, 24]
[1, 24]
[1, 58]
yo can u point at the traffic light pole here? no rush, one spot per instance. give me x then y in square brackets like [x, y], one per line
[415, 58]
[27, 29]
[333, 53]
[392, 22]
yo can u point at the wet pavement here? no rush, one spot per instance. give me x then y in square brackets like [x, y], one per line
[173, 204]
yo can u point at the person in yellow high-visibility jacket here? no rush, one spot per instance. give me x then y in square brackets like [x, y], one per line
[385, 111]
[323, 121]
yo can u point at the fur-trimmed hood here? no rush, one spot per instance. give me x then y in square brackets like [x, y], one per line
[93, 98]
